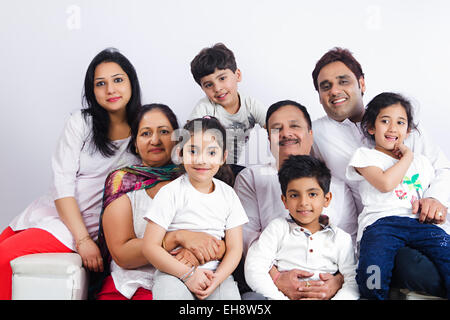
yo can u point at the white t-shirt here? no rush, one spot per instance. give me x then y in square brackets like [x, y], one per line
[336, 142]
[238, 125]
[397, 202]
[78, 172]
[179, 206]
[288, 246]
[127, 281]
[260, 193]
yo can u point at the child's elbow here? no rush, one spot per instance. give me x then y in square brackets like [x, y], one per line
[386, 187]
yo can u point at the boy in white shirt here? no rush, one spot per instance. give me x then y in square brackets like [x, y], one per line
[215, 70]
[300, 241]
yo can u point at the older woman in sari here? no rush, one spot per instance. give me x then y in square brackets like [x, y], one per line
[128, 193]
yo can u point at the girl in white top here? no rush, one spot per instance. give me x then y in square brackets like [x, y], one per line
[199, 202]
[95, 141]
[391, 177]
[129, 192]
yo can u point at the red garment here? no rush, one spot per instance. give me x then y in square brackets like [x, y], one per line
[14, 244]
[109, 292]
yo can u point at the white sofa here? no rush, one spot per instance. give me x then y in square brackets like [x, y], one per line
[49, 276]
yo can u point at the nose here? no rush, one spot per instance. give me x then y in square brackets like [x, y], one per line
[110, 87]
[302, 201]
[154, 139]
[285, 132]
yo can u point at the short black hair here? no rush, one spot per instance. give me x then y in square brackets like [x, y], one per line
[381, 101]
[212, 58]
[277, 105]
[304, 166]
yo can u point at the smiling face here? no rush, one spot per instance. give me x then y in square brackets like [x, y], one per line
[153, 141]
[202, 157]
[305, 201]
[340, 93]
[289, 133]
[221, 88]
[390, 128]
[112, 87]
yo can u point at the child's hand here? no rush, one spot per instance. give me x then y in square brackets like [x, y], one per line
[400, 150]
[203, 294]
[199, 281]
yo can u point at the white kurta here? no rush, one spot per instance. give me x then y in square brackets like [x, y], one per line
[78, 172]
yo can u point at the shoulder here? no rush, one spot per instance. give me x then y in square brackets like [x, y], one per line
[341, 237]
[278, 226]
[260, 172]
[202, 108]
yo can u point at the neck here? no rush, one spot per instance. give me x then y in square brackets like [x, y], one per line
[202, 186]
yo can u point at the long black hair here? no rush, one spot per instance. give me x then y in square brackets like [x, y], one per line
[100, 117]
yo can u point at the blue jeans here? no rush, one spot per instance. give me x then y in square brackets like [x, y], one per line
[382, 240]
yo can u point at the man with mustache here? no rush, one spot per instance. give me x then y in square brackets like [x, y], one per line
[339, 81]
[289, 128]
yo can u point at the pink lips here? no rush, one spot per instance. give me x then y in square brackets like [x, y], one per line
[114, 99]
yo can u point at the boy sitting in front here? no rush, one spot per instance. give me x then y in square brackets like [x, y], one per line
[300, 241]
[215, 70]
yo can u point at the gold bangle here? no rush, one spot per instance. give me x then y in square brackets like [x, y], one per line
[163, 244]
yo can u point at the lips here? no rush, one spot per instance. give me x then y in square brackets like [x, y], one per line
[338, 101]
[221, 96]
[156, 150]
[201, 170]
[391, 138]
[114, 99]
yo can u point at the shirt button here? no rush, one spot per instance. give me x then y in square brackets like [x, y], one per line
[310, 238]
[310, 250]
[301, 229]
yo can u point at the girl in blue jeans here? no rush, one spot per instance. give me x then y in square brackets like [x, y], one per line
[391, 178]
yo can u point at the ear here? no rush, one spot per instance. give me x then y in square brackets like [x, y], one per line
[362, 84]
[225, 156]
[238, 74]
[283, 198]
[328, 197]
[371, 131]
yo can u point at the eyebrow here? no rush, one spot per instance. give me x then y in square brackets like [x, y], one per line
[387, 116]
[289, 121]
[309, 190]
[144, 128]
[344, 76]
[117, 74]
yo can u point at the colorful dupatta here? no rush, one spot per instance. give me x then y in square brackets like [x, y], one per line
[129, 179]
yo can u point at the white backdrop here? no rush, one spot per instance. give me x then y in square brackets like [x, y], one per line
[46, 46]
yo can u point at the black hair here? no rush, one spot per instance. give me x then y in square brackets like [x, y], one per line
[170, 115]
[337, 54]
[277, 105]
[209, 123]
[304, 166]
[381, 101]
[210, 59]
[100, 117]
